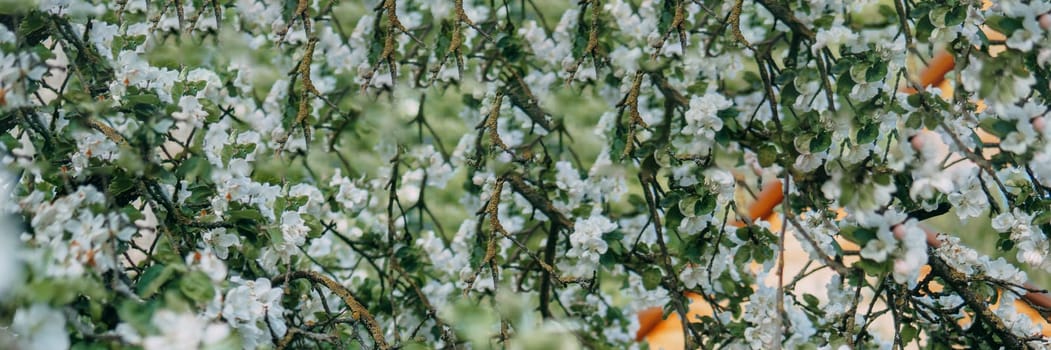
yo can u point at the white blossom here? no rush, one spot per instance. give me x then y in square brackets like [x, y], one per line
[254, 309]
[587, 244]
[40, 327]
[183, 331]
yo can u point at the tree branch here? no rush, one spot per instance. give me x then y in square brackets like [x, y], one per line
[357, 311]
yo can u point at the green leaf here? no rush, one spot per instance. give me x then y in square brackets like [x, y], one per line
[197, 286]
[705, 206]
[920, 10]
[1004, 25]
[915, 100]
[873, 268]
[956, 16]
[120, 184]
[63, 290]
[32, 27]
[858, 235]
[811, 300]
[138, 315]
[937, 16]
[843, 66]
[616, 235]
[914, 121]
[193, 167]
[651, 278]
[908, 333]
[608, 260]
[43, 53]
[152, 279]
[1043, 217]
[785, 77]
[767, 155]
[931, 120]
[512, 50]
[728, 114]
[143, 103]
[924, 27]
[409, 258]
[744, 233]
[868, 134]
[694, 249]
[743, 255]
[821, 142]
[1005, 245]
[246, 214]
[996, 126]
[670, 199]
[859, 72]
[887, 11]
[876, 72]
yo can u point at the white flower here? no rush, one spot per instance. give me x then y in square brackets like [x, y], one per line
[1002, 270]
[820, 231]
[720, 182]
[762, 313]
[1015, 320]
[40, 327]
[183, 331]
[87, 242]
[625, 60]
[315, 199]
[692, 276]
[970, 201]
[807, 162]
[190, 111]
[606, 180]
[220, 241]
[6, 35]
[833, 38]
[914, 239]
[442, 258]
[637, 230]
[132, 70]
[929, 181]
[568, 180]
[15, 69]
[1016, 222]
[684, 174]
[865, 91]
[209, 263]
[128, 333]
[234, 185]
[102, 34]
[213, 85]
[1026, 136]
[1023, 38]
[693, 224]
[702, 118]
[349, 196]
[438, 171]
[641, 297]
[92, 144]
[10, 264]
[880, 248]
[840, 299]
[254, 308]
[587, 245]
[293, 229]
[215, 140]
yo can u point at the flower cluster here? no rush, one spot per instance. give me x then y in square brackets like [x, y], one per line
[587, 245]
[463, 174]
